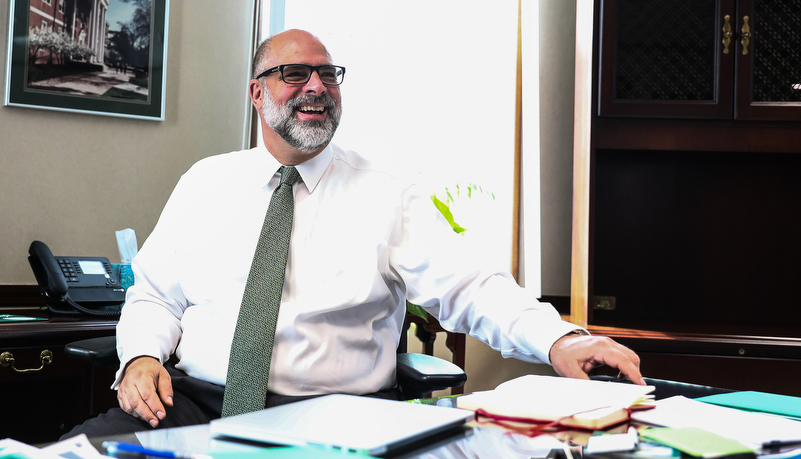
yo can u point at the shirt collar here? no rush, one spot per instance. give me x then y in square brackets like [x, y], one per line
[311, 171]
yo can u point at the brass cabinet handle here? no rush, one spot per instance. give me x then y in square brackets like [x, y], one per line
[7, 360]
[745, 38]
[727, 34]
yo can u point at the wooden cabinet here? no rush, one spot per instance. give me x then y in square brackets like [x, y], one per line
[43, 399]
[714, 59]
[687, 209]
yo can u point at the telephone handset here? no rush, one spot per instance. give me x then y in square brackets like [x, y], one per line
[74, 285]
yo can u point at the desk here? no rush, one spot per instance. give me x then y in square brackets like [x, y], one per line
[39, 406]
[477, 443]
[484, 439]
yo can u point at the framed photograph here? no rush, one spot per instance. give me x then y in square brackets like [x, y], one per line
[101, 57]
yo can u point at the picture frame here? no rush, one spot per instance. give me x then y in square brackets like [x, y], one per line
[99, 57]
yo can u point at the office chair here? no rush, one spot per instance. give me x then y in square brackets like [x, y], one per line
[418, 374]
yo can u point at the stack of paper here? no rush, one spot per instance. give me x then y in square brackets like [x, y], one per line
[753, 429]
[569, 402]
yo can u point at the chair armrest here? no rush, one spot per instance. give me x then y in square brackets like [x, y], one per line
[427, 373]
[100, 351]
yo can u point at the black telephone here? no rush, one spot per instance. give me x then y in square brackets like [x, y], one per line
[75, 285]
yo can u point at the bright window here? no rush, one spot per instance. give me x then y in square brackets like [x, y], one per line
[430, 84]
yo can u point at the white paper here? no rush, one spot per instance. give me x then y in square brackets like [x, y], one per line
[10, 447]
[77, 447]
[609, 443]
[743, 426]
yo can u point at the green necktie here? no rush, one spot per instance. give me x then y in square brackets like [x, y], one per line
[252, 348]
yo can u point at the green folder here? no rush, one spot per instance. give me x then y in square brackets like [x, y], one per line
[784, 405]
[697, 442]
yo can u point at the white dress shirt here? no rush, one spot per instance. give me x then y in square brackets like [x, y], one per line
[362, 242]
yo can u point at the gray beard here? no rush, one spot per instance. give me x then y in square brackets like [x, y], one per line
[306, 136]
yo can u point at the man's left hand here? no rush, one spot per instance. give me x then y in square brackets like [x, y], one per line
[575, 355]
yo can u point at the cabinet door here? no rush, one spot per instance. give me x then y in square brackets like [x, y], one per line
[666, 59]
[769, 61]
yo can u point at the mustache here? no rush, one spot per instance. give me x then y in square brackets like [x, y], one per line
[304, 99]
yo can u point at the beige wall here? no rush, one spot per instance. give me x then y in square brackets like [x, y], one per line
[72, 180]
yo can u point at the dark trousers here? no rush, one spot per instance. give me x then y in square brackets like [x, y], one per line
[194, 402]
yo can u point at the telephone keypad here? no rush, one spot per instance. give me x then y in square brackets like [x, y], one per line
[69, 270]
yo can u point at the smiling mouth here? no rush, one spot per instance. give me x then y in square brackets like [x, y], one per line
[311, 109]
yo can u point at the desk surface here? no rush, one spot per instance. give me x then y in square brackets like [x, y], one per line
[68, 327]
[476, 443]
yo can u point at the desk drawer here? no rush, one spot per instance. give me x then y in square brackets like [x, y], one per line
[39, 406]
[35, 362]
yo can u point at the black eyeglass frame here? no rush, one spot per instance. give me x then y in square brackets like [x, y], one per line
[312, 68]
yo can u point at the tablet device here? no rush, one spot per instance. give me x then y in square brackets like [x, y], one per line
[345, 422]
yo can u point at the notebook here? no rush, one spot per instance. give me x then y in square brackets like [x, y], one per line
[541, 399]
[344, 422]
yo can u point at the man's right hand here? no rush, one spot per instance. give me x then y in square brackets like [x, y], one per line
[145, 388]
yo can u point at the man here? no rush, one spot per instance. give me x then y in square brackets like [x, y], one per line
[362, 242]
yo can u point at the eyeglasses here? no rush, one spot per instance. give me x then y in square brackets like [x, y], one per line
[330, 75]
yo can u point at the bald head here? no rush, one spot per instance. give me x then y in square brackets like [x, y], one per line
[282, 44]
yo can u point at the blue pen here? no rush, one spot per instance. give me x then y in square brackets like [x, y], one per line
[114, 448]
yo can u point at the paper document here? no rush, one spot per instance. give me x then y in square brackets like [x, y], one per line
[751, 428]
[77, 447]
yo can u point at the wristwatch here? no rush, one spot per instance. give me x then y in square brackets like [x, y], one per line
[578, 331]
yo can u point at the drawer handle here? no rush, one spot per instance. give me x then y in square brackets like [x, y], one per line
[7, 360]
